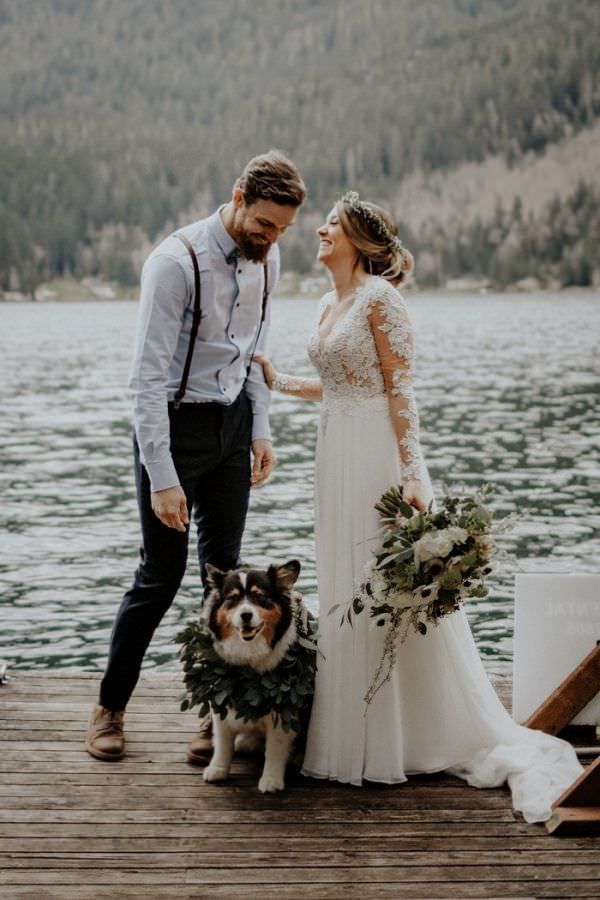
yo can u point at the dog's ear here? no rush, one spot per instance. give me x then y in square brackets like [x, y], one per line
[214, 577]
[286, 575]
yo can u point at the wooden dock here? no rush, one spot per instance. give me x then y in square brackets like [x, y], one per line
[149, 827]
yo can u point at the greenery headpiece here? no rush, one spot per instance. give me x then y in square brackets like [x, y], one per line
[377, 225]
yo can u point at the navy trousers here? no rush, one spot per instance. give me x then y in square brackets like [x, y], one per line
[210, 445]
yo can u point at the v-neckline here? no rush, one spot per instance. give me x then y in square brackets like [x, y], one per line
[324, 338]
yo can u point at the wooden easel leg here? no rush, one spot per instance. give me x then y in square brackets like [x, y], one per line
[574, 820]
[577, 810]
[570, 696]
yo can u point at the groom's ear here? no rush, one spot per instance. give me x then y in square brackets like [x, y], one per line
[285, 576]
[214, 577]
[237, 197]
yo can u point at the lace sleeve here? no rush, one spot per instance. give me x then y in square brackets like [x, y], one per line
[305, 388]
[393, 338]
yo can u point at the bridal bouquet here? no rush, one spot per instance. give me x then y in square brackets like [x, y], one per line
[426, 565]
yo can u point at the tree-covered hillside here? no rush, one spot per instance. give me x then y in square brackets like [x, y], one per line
[122, 118]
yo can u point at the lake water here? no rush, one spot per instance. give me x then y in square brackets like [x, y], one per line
[508, 390]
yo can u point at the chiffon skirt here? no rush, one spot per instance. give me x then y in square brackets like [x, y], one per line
[439, 711]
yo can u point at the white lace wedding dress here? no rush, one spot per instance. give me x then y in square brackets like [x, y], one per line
[439, 711]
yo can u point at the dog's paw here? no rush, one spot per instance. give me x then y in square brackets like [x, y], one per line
[215, 773]
[270, 784]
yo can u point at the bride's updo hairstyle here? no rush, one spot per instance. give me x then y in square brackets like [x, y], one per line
[375, 235]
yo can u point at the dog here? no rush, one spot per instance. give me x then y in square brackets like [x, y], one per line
[252, 615]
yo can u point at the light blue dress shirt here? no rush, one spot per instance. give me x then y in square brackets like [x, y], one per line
[231, 302]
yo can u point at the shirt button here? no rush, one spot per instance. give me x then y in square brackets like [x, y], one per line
[239, 271]
[232, 335]
[237, 304]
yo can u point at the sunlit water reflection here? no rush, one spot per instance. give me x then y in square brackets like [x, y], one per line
[507, 386]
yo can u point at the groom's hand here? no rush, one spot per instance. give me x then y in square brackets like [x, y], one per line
[171, 508]
[263, 462]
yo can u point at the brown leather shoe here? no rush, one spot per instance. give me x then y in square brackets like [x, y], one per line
[105, 738]
[200, 747]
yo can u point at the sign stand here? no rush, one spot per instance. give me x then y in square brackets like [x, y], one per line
[577, 810]
[570, 696]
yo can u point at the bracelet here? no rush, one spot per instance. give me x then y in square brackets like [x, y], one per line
[284, 384]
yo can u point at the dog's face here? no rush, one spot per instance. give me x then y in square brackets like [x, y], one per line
[251, 607]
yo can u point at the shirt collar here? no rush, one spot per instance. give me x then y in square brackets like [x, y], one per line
[226, 244]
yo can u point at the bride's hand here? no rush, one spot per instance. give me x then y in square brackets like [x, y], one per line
[412, 493]
[269, 370]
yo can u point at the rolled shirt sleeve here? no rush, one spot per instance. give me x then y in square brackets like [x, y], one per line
[163, 299]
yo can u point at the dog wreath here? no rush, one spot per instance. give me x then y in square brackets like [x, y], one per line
[285, 692]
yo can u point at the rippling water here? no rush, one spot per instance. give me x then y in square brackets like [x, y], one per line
[508, 388]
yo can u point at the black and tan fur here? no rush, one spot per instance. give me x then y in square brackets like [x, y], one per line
[252, 614]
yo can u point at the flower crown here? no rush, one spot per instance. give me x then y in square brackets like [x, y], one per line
[372, 219]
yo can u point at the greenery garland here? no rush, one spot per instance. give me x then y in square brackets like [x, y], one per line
[285, 692]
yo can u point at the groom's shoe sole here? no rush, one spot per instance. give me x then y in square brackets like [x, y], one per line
[106, 757]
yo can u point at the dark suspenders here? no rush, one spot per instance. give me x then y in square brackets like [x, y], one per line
[197, 315]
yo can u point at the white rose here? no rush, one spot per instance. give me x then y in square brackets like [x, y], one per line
[457, 534]
[437, 543]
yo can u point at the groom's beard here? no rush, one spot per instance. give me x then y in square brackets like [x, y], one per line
[253, 249]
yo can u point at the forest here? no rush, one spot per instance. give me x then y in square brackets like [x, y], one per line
[122, 119]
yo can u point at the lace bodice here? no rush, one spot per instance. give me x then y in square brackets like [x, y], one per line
[368, 356]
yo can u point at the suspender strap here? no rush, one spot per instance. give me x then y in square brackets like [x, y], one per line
[263, 313]
[197, 315]
[195, 321]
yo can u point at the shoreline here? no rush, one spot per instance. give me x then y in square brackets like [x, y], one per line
[78, 292]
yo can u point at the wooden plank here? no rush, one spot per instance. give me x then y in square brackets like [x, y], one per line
[320, 891]
[521, 834]
[95, 772]
[283, 875]
[328, 807]
[245, 772]
[570, 697]
[237, 840]
[340, 858]
[430, 875]
[244, 788]
[180, 815]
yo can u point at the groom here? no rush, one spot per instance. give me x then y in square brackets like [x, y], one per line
[200, 413]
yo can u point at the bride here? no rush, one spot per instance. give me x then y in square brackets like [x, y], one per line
[438, 711]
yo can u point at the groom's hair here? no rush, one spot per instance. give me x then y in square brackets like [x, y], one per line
[272, 176]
